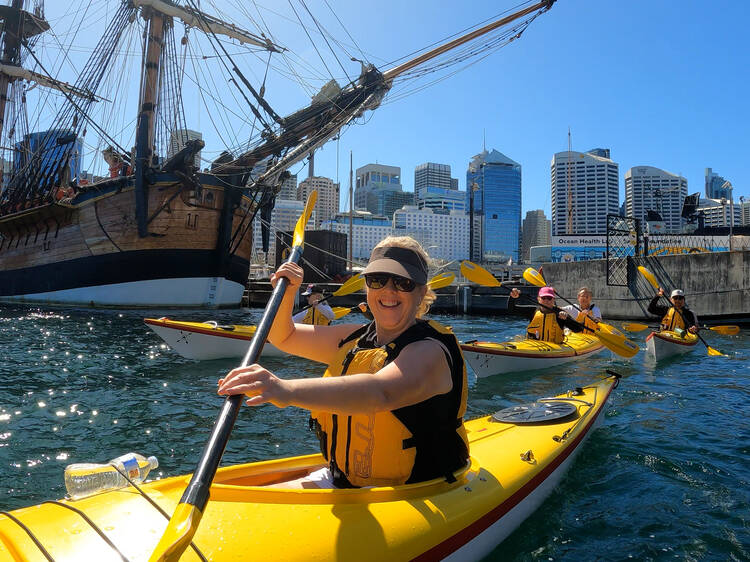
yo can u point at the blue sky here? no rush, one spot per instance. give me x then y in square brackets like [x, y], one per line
[659, 82]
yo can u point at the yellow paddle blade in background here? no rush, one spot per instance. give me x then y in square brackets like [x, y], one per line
[725, 330]
[712, 351]
[479, 275]
[340, 311]
[649, 276]
[441, 280]
[635, 327]
[299, 229]
[534, 277]
[352, 285]
[618, 344]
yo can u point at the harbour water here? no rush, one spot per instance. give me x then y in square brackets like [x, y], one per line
[665, 477]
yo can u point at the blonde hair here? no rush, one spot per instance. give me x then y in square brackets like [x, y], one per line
[585, 290]
[410, 244]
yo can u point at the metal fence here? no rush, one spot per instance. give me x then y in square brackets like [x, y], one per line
[623, 242]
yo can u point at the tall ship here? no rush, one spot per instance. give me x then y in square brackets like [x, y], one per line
[156, 228]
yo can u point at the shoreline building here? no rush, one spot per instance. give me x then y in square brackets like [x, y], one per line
[651, 189]
[443, 236]
[718, 212]
[177, 141]
[713, 186]
[328, 196]
[288, 189]
[585, 188]
[536, 231]
[367, 231]
[284, 218]
[379, 190]
[495, 181]
[434, 188]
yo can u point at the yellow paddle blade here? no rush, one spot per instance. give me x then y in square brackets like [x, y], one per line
[649, 276]
[341, 311]
[712, 351]
[352, 285]
[534, 277]
[634, 327]
[617, 344]
[725, 330]
[479, 275]
[441, 280]
[178, 534]
[608, 328]
[299, 230]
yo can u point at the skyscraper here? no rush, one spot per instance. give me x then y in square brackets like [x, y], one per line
[497, 198]
[584, 190]
[288, 188]
[713, 186]
[651, 189]
[434, 188]
[328, 196]
[177, 140]
[379, 190]
[536, 232]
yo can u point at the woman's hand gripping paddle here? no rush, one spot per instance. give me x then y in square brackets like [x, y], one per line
[655, 284]
[187, 516]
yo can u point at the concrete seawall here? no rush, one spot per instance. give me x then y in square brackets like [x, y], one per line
[716, 285]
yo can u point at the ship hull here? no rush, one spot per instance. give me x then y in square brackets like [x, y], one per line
[88, 252]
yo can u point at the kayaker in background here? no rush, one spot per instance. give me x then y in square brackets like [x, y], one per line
[389, 408]
[319, 313]
[676, 317]
[549, 321]
[585, 313]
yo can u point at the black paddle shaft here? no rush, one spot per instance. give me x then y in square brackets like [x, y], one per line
[197, 492]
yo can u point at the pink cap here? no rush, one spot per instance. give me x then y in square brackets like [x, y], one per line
[547, 292]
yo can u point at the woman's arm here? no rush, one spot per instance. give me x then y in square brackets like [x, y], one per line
[420, 372]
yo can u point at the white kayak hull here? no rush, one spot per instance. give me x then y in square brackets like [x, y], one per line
[527, 355]
[664, 345]
[205, 342]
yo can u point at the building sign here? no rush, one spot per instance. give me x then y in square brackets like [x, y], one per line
[578, 247]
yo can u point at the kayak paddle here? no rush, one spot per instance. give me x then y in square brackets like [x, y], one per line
[655, 284]
[723, 330]
[437, 282]
[535, 278]
[612, 339]
[188, 513]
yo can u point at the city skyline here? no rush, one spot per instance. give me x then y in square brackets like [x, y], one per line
[620, 75]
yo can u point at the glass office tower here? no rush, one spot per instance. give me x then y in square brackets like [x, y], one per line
[496, 180]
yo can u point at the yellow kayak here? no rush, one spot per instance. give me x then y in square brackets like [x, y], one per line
[515, 463]
[493, 358]
[665, 343]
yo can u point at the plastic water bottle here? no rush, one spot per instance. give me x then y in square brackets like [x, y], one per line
[86, 479]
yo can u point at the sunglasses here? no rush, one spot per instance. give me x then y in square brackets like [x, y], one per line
[678, 298]
[547, 298]
[380, 280]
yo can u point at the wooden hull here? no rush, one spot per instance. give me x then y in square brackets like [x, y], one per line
[88, 252]
[661, 345]
[208, 340]
[490, 358]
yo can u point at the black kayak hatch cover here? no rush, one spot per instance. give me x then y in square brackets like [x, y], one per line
[536, 412]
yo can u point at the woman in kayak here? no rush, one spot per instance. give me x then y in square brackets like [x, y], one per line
[586, 312]
[389, 408]
[549, 321]
[676, 317]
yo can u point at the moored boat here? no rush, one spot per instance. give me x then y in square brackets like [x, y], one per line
[514, 466]
[497, 358]
[208, 340]
[665, 343]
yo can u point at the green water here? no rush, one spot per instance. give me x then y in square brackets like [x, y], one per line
[667, 476]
